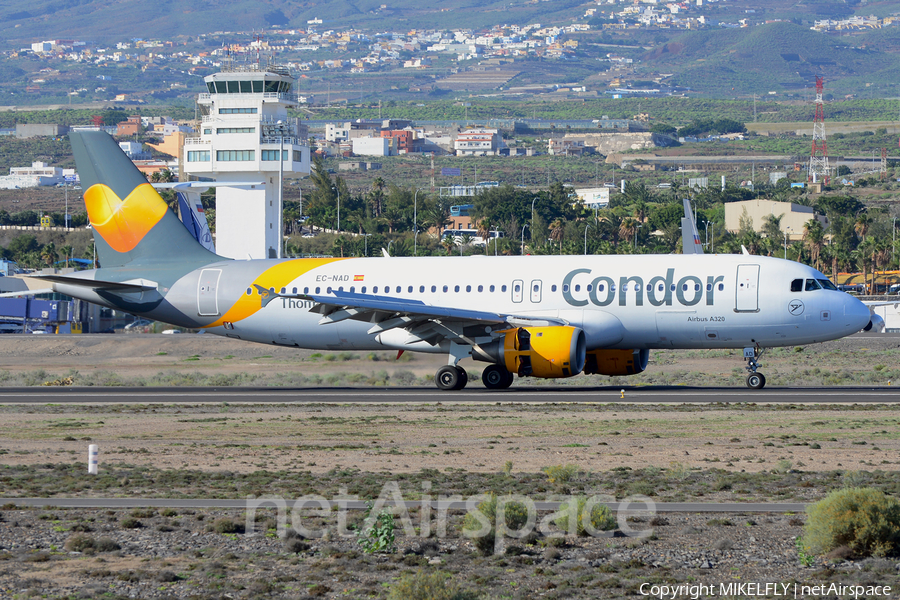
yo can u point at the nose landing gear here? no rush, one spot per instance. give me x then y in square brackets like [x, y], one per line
[755, 381]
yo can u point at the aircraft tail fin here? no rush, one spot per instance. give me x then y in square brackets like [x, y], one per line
[690, 237]
[131, 222]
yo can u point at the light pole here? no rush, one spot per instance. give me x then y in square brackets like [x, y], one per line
[636, 236]
[366, 251]
[707, 233]
[416, 222]
[280, 237]
[785, 244]
[532, 214]
[389, 247]
[523, 239]
[586, 227]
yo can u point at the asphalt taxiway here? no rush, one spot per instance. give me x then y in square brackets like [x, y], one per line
[473, 394]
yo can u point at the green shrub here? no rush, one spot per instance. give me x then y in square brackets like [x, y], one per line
[601, 517]
[561, 473]
[378, 533]
[130, 523]
[863, 519]
[515, 517]
[80, 542]
[428, 586]
[106, 544]
[226, 525]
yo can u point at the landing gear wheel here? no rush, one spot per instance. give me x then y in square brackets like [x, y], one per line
[756, 381]
[463, 378]
[495, 377]
[447, 378]
[450, 377]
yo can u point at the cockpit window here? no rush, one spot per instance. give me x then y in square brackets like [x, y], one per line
[812, 284]
[826, 284]
[797, 285]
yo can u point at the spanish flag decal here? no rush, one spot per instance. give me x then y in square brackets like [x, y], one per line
[358, 277]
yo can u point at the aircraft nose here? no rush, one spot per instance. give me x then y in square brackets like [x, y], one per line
[856, 314]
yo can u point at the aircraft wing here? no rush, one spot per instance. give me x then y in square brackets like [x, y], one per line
[427, 322]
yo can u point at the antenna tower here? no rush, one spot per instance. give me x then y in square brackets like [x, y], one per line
[818, 158]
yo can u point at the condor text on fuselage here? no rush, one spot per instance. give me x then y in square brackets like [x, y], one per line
[630, 290]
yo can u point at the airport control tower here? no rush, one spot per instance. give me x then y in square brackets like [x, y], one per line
[245, 127]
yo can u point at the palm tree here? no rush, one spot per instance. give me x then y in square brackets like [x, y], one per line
[484, 232]
[814, 236]
[863, 221]
[449, 243]
[557, 231]
[465, 240]
[67, 252]
[628, 229]
[49, 255]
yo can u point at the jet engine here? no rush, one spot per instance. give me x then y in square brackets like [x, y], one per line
[548, 352]
[876, 324]
[616, 362]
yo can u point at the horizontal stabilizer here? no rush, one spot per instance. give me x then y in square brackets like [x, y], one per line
[125, 287]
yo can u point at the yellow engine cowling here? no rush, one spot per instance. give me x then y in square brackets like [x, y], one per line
[548, 352]
[616, 362]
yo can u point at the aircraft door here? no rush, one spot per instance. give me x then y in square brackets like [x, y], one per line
[536, 291]
[517, 290]
[207, 292]
[747, 289]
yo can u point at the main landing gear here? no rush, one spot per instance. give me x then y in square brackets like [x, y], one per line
[454, 377]
[755, 381]
[495, 377]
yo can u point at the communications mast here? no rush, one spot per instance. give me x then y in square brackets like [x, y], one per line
[818, 158]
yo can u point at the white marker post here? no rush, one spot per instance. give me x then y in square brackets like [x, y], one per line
[93, 451]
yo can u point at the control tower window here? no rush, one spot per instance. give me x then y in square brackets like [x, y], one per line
[234, 87]
[246, 87]
[257, 87]
[271, 86]
[211, 87]
[221, 88]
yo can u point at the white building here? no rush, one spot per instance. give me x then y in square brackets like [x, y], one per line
[371, 146]
[245, 126]
[478, 142]
[38, 174]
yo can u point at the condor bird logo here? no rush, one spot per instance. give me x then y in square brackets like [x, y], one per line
[795, 307]
[124, 223]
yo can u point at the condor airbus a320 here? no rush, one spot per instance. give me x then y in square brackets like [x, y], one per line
[537, 316]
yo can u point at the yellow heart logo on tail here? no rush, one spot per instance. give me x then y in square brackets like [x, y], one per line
[124, 223]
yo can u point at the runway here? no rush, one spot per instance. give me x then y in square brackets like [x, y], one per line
[474, 394]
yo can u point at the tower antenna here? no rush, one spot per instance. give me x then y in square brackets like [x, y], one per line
[818, 158]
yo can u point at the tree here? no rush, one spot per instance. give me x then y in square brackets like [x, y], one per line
[484, 232]
[67, 253]
[449, 243]
[49, 254]
[558, 231]
[814, 237]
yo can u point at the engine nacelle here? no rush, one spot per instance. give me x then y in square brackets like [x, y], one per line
[616, 362]
[548, 352]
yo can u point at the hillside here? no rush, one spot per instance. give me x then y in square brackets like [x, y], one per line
[780, 57]
[95, 20]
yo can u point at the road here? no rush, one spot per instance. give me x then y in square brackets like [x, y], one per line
[122, 503]
[475, 393]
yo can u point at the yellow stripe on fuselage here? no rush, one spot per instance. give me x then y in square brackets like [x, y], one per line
[277, 277]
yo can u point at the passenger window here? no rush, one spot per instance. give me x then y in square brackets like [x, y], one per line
[456, 288]
[421, 289]
[387, 289]
[649, 287]
[352, 289]
[317, 290]
[811, 285]
[683, 287]
[565, 288]
[708, 287]
[696, 287]
[410, 289]
[306, 290]
[491, 288]
[661, 288]
[283, 290]
[553, 288]
[468, 288]
[673, 287]
[341, 289]
[612, 287]
[328, 291]
[590, 286]
[517, 288]
[445, 289]
[375, 289]
[294, 291]
[363, 289]
[503, 288]
[797, 285]
[480, 288]
[577, 288]
[249, 291]
[721, 287]
[433, 289]
[601, 287]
